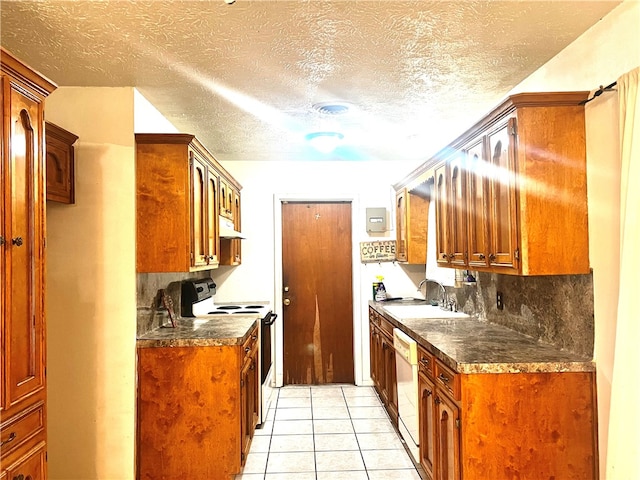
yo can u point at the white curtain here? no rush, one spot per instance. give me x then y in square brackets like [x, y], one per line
[623, 452]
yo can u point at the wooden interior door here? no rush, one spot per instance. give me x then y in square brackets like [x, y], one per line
[317, 293]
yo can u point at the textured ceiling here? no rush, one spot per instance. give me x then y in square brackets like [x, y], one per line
[243, 77]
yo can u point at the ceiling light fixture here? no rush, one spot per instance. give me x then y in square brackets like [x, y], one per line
[325, 142]
[332, 108]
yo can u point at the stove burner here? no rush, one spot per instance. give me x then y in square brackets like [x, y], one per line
[229, 307]
[236, 311]
[254, 306]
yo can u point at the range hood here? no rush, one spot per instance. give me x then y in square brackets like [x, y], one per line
[227, 229]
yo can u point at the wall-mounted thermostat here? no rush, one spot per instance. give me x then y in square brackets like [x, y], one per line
[376, 219]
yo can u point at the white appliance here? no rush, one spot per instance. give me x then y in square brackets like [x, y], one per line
[407, 378]
[197, 301]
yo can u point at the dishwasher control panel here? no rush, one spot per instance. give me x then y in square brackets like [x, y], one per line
[405, 346]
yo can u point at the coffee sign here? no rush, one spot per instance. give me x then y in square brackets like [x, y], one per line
[378, 251]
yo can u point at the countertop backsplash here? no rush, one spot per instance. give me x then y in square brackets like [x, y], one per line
[555, 309]
[150, 312]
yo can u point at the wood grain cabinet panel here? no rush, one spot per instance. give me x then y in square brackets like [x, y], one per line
[22, 218]
[197, 410]
[60, 164]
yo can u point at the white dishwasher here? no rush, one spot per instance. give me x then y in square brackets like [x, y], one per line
[407, 377]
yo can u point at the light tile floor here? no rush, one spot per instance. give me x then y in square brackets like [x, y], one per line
[333, 432]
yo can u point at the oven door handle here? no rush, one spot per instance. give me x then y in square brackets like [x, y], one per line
[271, 320]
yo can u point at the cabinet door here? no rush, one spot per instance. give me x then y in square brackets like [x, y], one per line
[390, 382]
[477, 208]
[223, 202]
[427, 415]
[31, 467]
[213, 224]
[442, 215]
[502, 220]
[247, 407]
[458, 208]
[199, 212]
[24, 323]
[448, 431]
[401, 225]
[373, 352]
[236, 242]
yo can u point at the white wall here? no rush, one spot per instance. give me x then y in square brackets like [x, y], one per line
[91, 302]
[608, 50]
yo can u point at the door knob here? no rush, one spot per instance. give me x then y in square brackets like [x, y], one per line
[286, 301]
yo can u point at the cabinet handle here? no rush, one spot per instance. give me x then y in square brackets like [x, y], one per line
[12, 436]
[444, 255]
[437, 401]
[424, 361]
[17, 241]
[247, 349]
[492, 257]
[481, 256]
[444, 378]
[452, 256]
[429, 393]
[254, 337]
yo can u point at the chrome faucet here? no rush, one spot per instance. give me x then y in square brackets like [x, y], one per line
[444, 294]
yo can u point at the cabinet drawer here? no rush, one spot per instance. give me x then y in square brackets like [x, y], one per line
[447, 378]
[250, 343]
[426, 363]
[21, 428]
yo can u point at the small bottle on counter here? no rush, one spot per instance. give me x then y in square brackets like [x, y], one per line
[379, 292]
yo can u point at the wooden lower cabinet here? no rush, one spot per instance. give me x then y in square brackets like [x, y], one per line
[197, 410]
[528, 426]
[383, 362]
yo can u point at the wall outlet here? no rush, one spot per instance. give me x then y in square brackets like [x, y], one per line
[499, 303]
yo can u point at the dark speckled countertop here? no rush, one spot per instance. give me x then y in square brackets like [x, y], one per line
[215, 330]
[470, 346]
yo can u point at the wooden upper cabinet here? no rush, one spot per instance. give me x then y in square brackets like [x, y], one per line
[412, 216]
[178, 185]
[477, 206]
[457, 179]
[442, 215]
[503, 229]
[230, 248]
[401, 228]
[512, 197]
[60, 164]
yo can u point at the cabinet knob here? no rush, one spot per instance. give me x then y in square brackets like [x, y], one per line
[1, 240]
[17, 241]
[481, 256]
[444, 255]
[247, 349]
[492, 257]
[452, 256]
[444, 378]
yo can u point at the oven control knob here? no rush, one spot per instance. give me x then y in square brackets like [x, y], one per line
[286, 301]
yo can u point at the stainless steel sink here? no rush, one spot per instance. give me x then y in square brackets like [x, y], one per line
[422, 311]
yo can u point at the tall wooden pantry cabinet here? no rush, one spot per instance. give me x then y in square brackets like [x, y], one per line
[23, 448]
